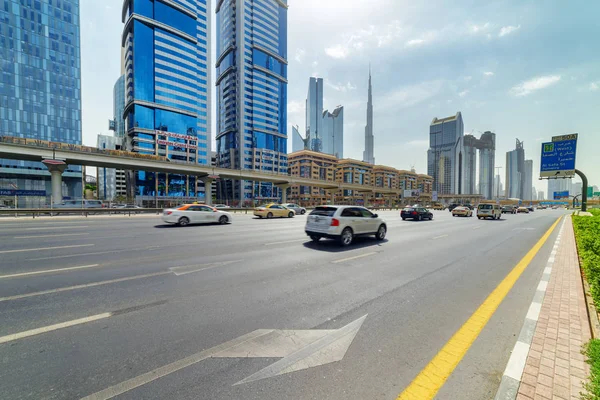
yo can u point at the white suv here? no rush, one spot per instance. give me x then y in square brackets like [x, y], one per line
[343, 223]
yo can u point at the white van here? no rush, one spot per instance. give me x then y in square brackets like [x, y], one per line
[492, 211]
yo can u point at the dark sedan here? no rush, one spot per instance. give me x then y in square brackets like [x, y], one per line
[416, 213]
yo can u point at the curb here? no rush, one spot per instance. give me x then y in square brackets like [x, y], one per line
[511, 379]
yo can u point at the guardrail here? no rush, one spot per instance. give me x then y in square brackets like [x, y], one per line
[38, 212]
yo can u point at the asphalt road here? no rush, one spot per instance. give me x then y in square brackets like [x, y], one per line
[89, 303]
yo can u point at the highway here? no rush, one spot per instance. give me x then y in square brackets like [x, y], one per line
[132, 308]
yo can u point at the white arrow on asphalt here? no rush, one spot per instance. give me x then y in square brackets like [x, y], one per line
[299, 349]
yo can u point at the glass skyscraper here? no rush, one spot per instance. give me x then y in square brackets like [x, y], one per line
[119, 107]
[445, 157]
[333, 132]
[167, 89]
[515, 172]
[251, 93]
[314, 114]
[40, 87]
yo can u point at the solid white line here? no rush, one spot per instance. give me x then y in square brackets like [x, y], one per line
[439, 237]
[284, 242]
[47, 271]
[542, 286]
[353, 258]
[45, 248]
[190, 269]
[534, 311]
[45, 236]
[84, 286]
[56, 227]
[50, 328]
[516, 363]
[548, 270]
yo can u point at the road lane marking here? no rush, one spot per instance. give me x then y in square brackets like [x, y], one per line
[83, 286]
[50, 328]
[354, 258]
[47, 271]
[190, 269]
[95, 253]
[175, 366]
[430, 380]
[56, 227]
[46, 236]
[478, 227]
[45, 248]
[440, 237]
[284, 242]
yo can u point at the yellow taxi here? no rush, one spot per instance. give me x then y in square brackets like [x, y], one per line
[274, 210]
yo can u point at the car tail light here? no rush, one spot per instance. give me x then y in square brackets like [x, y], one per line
[169, 212]
[335, 222]
[414, 213]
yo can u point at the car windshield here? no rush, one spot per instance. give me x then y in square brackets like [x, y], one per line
[409, 209]
[324, 211]
[486, 206]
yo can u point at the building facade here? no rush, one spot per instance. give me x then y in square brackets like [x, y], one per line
[368, 154]
[470, 143]
[167, 64]
[528, 180]
[314, 115]
[445, 157]
[111, 182]
[298, 142]
[251, 93]
[515, 172]
[487, 164]
[118, 123]
[333, 132]
[310, 164]
[40, 89]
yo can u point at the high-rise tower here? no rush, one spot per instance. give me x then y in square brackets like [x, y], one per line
[368, 155]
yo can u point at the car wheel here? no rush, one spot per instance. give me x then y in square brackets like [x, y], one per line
[403, 219]
[419, 218]
[431, 217]
[315, 238]
[346, 237]
[380, 235]
[183, 221]
[302, 212]
[270, 215]
[223, 220]
[291, 214]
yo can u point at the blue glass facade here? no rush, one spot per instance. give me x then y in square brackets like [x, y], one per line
[40, 85]
[251, 93]
[167, 89]
[119, 106]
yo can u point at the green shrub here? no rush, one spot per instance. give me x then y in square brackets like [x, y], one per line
[592, 351]
[587, 234]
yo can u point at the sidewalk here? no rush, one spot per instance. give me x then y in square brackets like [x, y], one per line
[551, 365]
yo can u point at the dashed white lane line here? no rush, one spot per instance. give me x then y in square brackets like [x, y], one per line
[87, 285]
[95, 253]
[47, 236]
[478, 227]
[56, 227]
[47, 271]
[354, 258]
[285, 241]
[440, 237]
[45, 248]
[50, 328]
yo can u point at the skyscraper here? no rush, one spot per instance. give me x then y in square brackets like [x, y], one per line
[515, 172]
[40, 93]
[333, 132]
[470, 157]
[487, 164]
[252, 93]
[314, 114]
[445, 157]
[167, 63]
[298, 142]
[119, 107]
[528, 180]
[368, 155]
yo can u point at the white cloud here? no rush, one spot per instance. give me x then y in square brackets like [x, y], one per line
[341, 87]
[382, 36]
[415, 42]
[295, 107]
[507, 30]
[537, 83]
[337, 51]
[426, 38]
[488, 73]
[299, 56]
[463, 93]
[479, 28]
[409, 95]
[594, 86]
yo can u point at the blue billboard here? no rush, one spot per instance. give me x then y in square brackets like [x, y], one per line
[558, 157]
[561, 195]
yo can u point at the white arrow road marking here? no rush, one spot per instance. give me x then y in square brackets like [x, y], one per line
[314, 347]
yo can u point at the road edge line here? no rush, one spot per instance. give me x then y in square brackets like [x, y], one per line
[511, 379]
[434, 375]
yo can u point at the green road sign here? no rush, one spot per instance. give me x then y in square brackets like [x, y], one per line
[590, 191]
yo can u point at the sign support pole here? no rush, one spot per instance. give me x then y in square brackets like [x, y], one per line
[584, 196]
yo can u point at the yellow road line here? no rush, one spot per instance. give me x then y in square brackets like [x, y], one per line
[431, 379]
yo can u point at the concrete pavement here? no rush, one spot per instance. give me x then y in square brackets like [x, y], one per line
[147, 296]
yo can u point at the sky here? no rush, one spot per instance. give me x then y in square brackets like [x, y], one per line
[523, 69]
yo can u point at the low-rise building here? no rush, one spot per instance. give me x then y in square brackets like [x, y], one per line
[314, 165]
